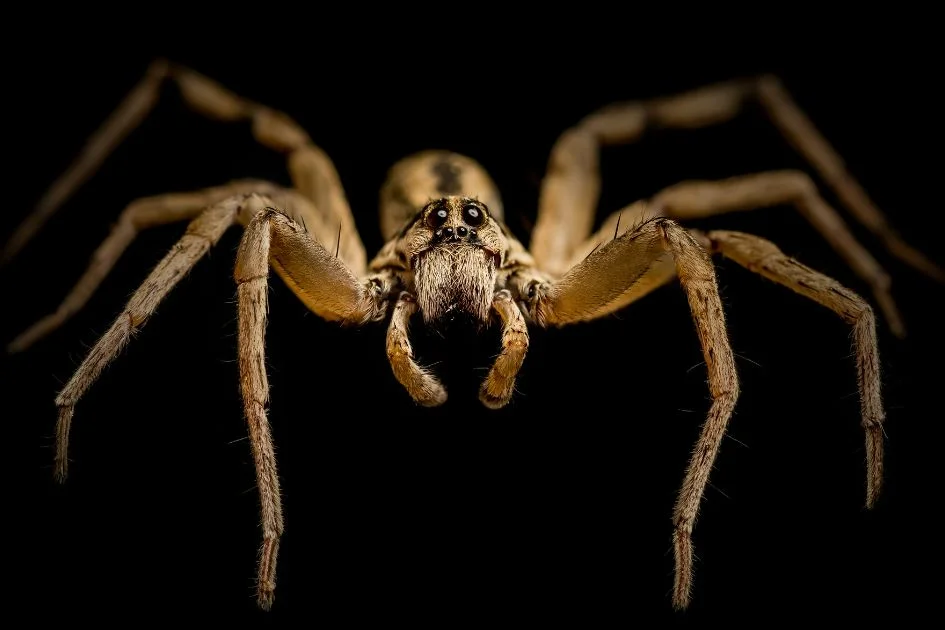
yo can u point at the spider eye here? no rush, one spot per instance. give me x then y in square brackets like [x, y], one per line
[437, 218]
[473, 215]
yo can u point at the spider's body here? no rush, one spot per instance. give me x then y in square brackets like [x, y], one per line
[451, 250]
[448, 255]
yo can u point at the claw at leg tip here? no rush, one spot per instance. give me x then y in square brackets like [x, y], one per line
[265, 603]
[264, 599]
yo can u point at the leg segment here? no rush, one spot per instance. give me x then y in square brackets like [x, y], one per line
[202, 233]
[570, 191]
[497, 389]
[132, 110]
[763, 257]
[593, 288]
[139, 215]
[422, 386]
[312, 171]
[323, 283]
[661, 271]
[330, 290]
[697, 199]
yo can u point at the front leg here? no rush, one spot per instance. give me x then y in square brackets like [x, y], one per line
[596, 287]
[329, 289]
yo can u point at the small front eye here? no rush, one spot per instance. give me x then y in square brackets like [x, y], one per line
[437, 217]
[473, 215]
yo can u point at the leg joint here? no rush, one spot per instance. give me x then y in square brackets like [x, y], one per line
[244, 280]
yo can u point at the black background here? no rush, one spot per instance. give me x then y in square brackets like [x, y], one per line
[556, 508]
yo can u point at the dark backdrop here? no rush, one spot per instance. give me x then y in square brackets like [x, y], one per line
[558, 507]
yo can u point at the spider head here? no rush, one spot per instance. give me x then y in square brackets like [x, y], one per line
[455, 249]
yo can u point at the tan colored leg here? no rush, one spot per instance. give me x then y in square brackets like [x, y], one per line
[334, 293]
[422, 386]
[132, 110]
[139, 215]
[320, 279]
[807, 140]
[570, 191]
[592, 288]
[661, 271]
[499, 385]
[697, 199]
[312, 171]
[763, 257]
[202, 233]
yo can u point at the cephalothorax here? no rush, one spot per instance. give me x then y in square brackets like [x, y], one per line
[449, 255]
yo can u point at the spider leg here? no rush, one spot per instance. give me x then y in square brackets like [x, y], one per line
[571, 188]
[499, 385]
[697, 199]
[139, 215]
[763, 257]
[329, 289]
[312, 171]
[660, 271]
[202, 233]
[132, 110]
[422, 386]
[593, 287]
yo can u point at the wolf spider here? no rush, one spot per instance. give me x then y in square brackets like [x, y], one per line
[448, 254]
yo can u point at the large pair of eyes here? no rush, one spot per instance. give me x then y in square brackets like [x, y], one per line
[473, 216]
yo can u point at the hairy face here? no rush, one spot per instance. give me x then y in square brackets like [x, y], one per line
[456, 249]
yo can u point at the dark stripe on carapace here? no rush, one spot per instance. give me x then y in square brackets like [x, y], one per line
[410, 223]
[448, 175]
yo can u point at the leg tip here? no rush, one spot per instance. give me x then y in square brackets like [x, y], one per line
[265, 598]
[872, 497]
[890, 312]
[493, 402]
[432, 396]
[682, 585]
[495, 393]
[34, 333]
[680, 602]
[898, 329]
[18, 345]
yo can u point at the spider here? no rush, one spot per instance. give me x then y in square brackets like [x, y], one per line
[449, 256]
